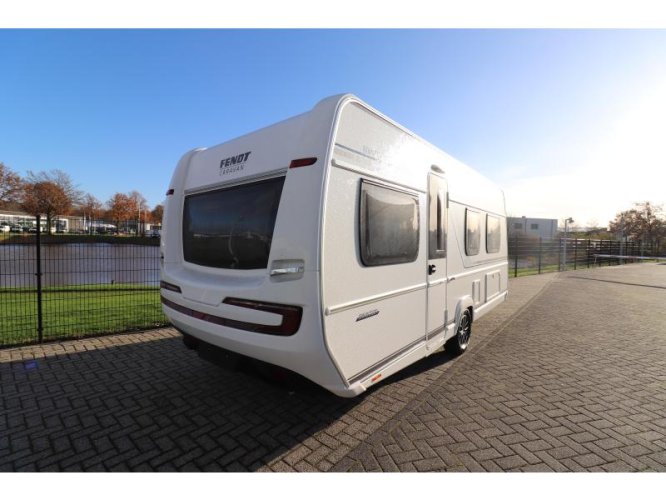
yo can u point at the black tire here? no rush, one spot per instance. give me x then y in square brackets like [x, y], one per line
[458, 344]
[190, 342]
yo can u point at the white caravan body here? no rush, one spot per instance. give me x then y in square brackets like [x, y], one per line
[336, 244]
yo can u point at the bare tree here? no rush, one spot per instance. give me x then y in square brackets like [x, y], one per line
[60, 179]
[141, 208]
[645, 222]
[91, 208]
[10, 186]
[592, 224]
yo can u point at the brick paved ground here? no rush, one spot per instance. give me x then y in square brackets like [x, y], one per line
[569, 374]
[575, 382]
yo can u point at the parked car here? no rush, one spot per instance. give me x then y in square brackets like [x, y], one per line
[4, 228]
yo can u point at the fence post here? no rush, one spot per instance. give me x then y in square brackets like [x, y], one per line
[515, 254]
[575, 253]
[40, 325]
[588, 253]
[540, 250]
[559, 256]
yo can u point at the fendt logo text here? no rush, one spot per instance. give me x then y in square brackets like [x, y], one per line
[233, 163]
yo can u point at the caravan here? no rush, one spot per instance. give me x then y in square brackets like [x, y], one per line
[336, 244]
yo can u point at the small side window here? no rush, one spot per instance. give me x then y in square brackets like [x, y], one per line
[437, 217]
[472, 232]
[389, 226]
[493, 235]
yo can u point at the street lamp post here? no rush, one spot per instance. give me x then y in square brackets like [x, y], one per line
[623, 241]
[566, 232]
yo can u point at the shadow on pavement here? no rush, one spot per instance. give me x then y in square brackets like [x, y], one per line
[156, 406]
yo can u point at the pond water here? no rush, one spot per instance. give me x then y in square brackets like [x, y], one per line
[79, 264]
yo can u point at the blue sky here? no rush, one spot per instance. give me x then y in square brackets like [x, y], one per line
[568, 122]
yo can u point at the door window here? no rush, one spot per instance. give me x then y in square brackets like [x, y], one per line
[437, 219]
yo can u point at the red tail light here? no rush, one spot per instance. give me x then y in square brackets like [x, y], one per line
[291, 316]
[302, 162]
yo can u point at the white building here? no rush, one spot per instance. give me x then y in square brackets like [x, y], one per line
[62, 223]
[544, 228]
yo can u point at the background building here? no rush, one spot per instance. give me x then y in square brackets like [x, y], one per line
[544, 228]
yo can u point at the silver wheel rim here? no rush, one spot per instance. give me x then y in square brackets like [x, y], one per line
[464, 331]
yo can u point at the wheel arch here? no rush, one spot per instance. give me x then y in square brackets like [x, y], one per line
[465, 303]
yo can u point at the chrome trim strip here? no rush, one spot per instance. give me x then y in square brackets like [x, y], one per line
[281, 271]
[389, 359]
[374, 298]
[437, 330]
[437, 282]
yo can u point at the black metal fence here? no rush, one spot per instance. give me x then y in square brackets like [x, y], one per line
[532, 255]
[63, 286]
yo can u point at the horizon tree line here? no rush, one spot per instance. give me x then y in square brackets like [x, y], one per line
[53, 194]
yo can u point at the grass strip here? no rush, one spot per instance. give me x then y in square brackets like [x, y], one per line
[78, 313]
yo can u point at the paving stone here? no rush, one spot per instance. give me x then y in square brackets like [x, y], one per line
[511, 462]
[430, 465]
[589, 460]
[635, 450]
[537, 445]
[608, 443]
[528, 395]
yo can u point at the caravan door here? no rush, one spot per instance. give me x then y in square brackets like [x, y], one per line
[436, 269]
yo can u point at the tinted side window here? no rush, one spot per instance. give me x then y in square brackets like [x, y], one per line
[389, 226]
[472, 232]
[232, 228]
[493, 234]
[437, 217]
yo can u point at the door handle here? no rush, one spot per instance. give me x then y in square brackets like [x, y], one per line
[432, 268]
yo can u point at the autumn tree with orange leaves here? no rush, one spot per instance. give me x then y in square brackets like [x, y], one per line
[157, 213]
[45, 198]
[122, 208]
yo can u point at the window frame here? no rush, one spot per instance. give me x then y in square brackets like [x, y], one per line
[490, 250]
[437, 216]
[188, 241]
[363, 224]
[467, 242]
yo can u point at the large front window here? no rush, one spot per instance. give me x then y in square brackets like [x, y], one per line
[232, 228]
